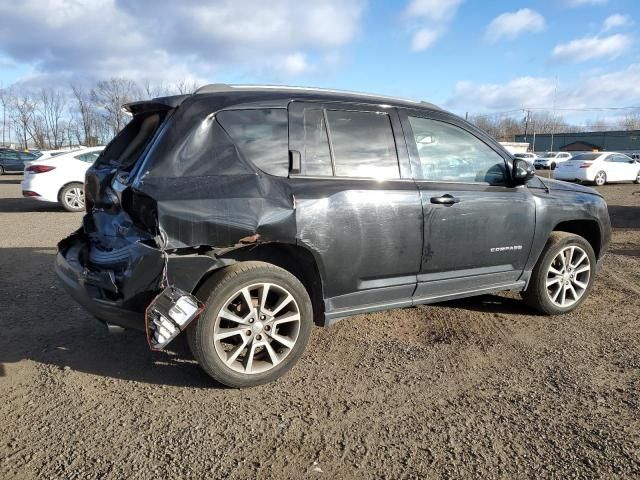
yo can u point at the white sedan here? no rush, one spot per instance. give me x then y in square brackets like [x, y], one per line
[599, 168]
[60, 179]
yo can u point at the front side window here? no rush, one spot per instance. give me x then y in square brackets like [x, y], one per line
[450, 154]
[363, 144]
[261, 135]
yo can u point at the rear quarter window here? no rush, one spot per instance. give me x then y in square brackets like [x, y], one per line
[261, 136]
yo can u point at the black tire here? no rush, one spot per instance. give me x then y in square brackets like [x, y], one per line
[218, 290]
[68, 204]
[1, 171]
[600, 175]
[536, 295]
[552, 166]
[637, 180]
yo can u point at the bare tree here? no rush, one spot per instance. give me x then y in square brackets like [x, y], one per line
[6, 99]
[23, 110]
[109, 96]
[52, 106]
[183, 87]
[630, 121]
[88, 117]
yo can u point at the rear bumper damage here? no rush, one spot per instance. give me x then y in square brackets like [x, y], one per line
[121, 296]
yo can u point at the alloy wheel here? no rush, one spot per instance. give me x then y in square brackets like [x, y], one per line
[74, 197]
[600, 178]
[568, 276]
[257, 328]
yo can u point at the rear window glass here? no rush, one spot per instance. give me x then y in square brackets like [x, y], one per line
[586, 156]
[363, 144]
[261, 135]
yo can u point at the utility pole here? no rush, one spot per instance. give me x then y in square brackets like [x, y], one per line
[466, 116]
[526, 124]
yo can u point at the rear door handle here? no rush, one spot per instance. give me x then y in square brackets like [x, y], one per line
[445, 199]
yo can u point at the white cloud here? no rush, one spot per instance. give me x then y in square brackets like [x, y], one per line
[423, 39]
[616, 20]
[435, 10]
[167, 40]
[589, 48]
[580, 3]
[512, 24]
[429, 20]
[619, 88]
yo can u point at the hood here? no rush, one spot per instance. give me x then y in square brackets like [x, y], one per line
[558, 185]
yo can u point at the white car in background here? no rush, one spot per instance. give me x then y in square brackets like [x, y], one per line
[529, 157]
[60, 178]
[550, 160]
[599, 168]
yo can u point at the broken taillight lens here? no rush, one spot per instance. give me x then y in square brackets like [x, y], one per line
[40, 168]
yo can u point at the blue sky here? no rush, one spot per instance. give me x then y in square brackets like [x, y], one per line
[466, 55]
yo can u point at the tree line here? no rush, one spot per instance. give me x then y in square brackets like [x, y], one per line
[505, 128]
[90, 115]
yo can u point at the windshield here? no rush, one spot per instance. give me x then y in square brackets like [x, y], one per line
[549, 155]
[586, 156]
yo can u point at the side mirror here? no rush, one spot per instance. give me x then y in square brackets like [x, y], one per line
[522, 170]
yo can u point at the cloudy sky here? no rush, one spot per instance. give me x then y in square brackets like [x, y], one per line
[466, 55]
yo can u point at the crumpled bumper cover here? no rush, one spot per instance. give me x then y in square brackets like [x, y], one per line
[118, 298]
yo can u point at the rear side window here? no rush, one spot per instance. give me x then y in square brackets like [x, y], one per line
[88, 157]
[317, 154]
[363, 144]
[450, 154]
[261, 135]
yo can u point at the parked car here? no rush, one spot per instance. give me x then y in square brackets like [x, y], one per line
[242, 215]
[45, 154]
[12, 161]
[550, 160]
[60, 179]
[529, 157]
[599, 168]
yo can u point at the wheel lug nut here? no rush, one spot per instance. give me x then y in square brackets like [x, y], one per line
[248, 333]
[262, 317]
[258, 337]
[251, 320]
[267, 327]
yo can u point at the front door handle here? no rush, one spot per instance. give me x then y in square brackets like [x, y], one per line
[445, 199]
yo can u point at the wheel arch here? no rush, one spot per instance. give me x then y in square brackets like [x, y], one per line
[296, 259]
[587, 229]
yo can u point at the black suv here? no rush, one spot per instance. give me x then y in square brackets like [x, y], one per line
[244, 214]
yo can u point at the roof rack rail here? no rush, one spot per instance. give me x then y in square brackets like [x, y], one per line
[223, 87]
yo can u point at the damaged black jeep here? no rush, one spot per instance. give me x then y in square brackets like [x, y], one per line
[243, 215]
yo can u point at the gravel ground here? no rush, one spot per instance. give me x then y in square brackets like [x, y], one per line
[474, 388]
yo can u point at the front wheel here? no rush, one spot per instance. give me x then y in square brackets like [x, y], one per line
[552, 166]
[600, 178]
[72, 197]
[637, 180]
[563, 276]
[255, 326]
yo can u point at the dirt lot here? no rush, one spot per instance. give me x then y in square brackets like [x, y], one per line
[480, 387]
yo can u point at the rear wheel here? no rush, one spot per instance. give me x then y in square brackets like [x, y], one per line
[600, 178]
[563, 276]
[1, 171]
[256, 324]
[72, 197]
[552, 166]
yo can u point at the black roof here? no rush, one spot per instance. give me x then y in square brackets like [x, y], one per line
[277, 95]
